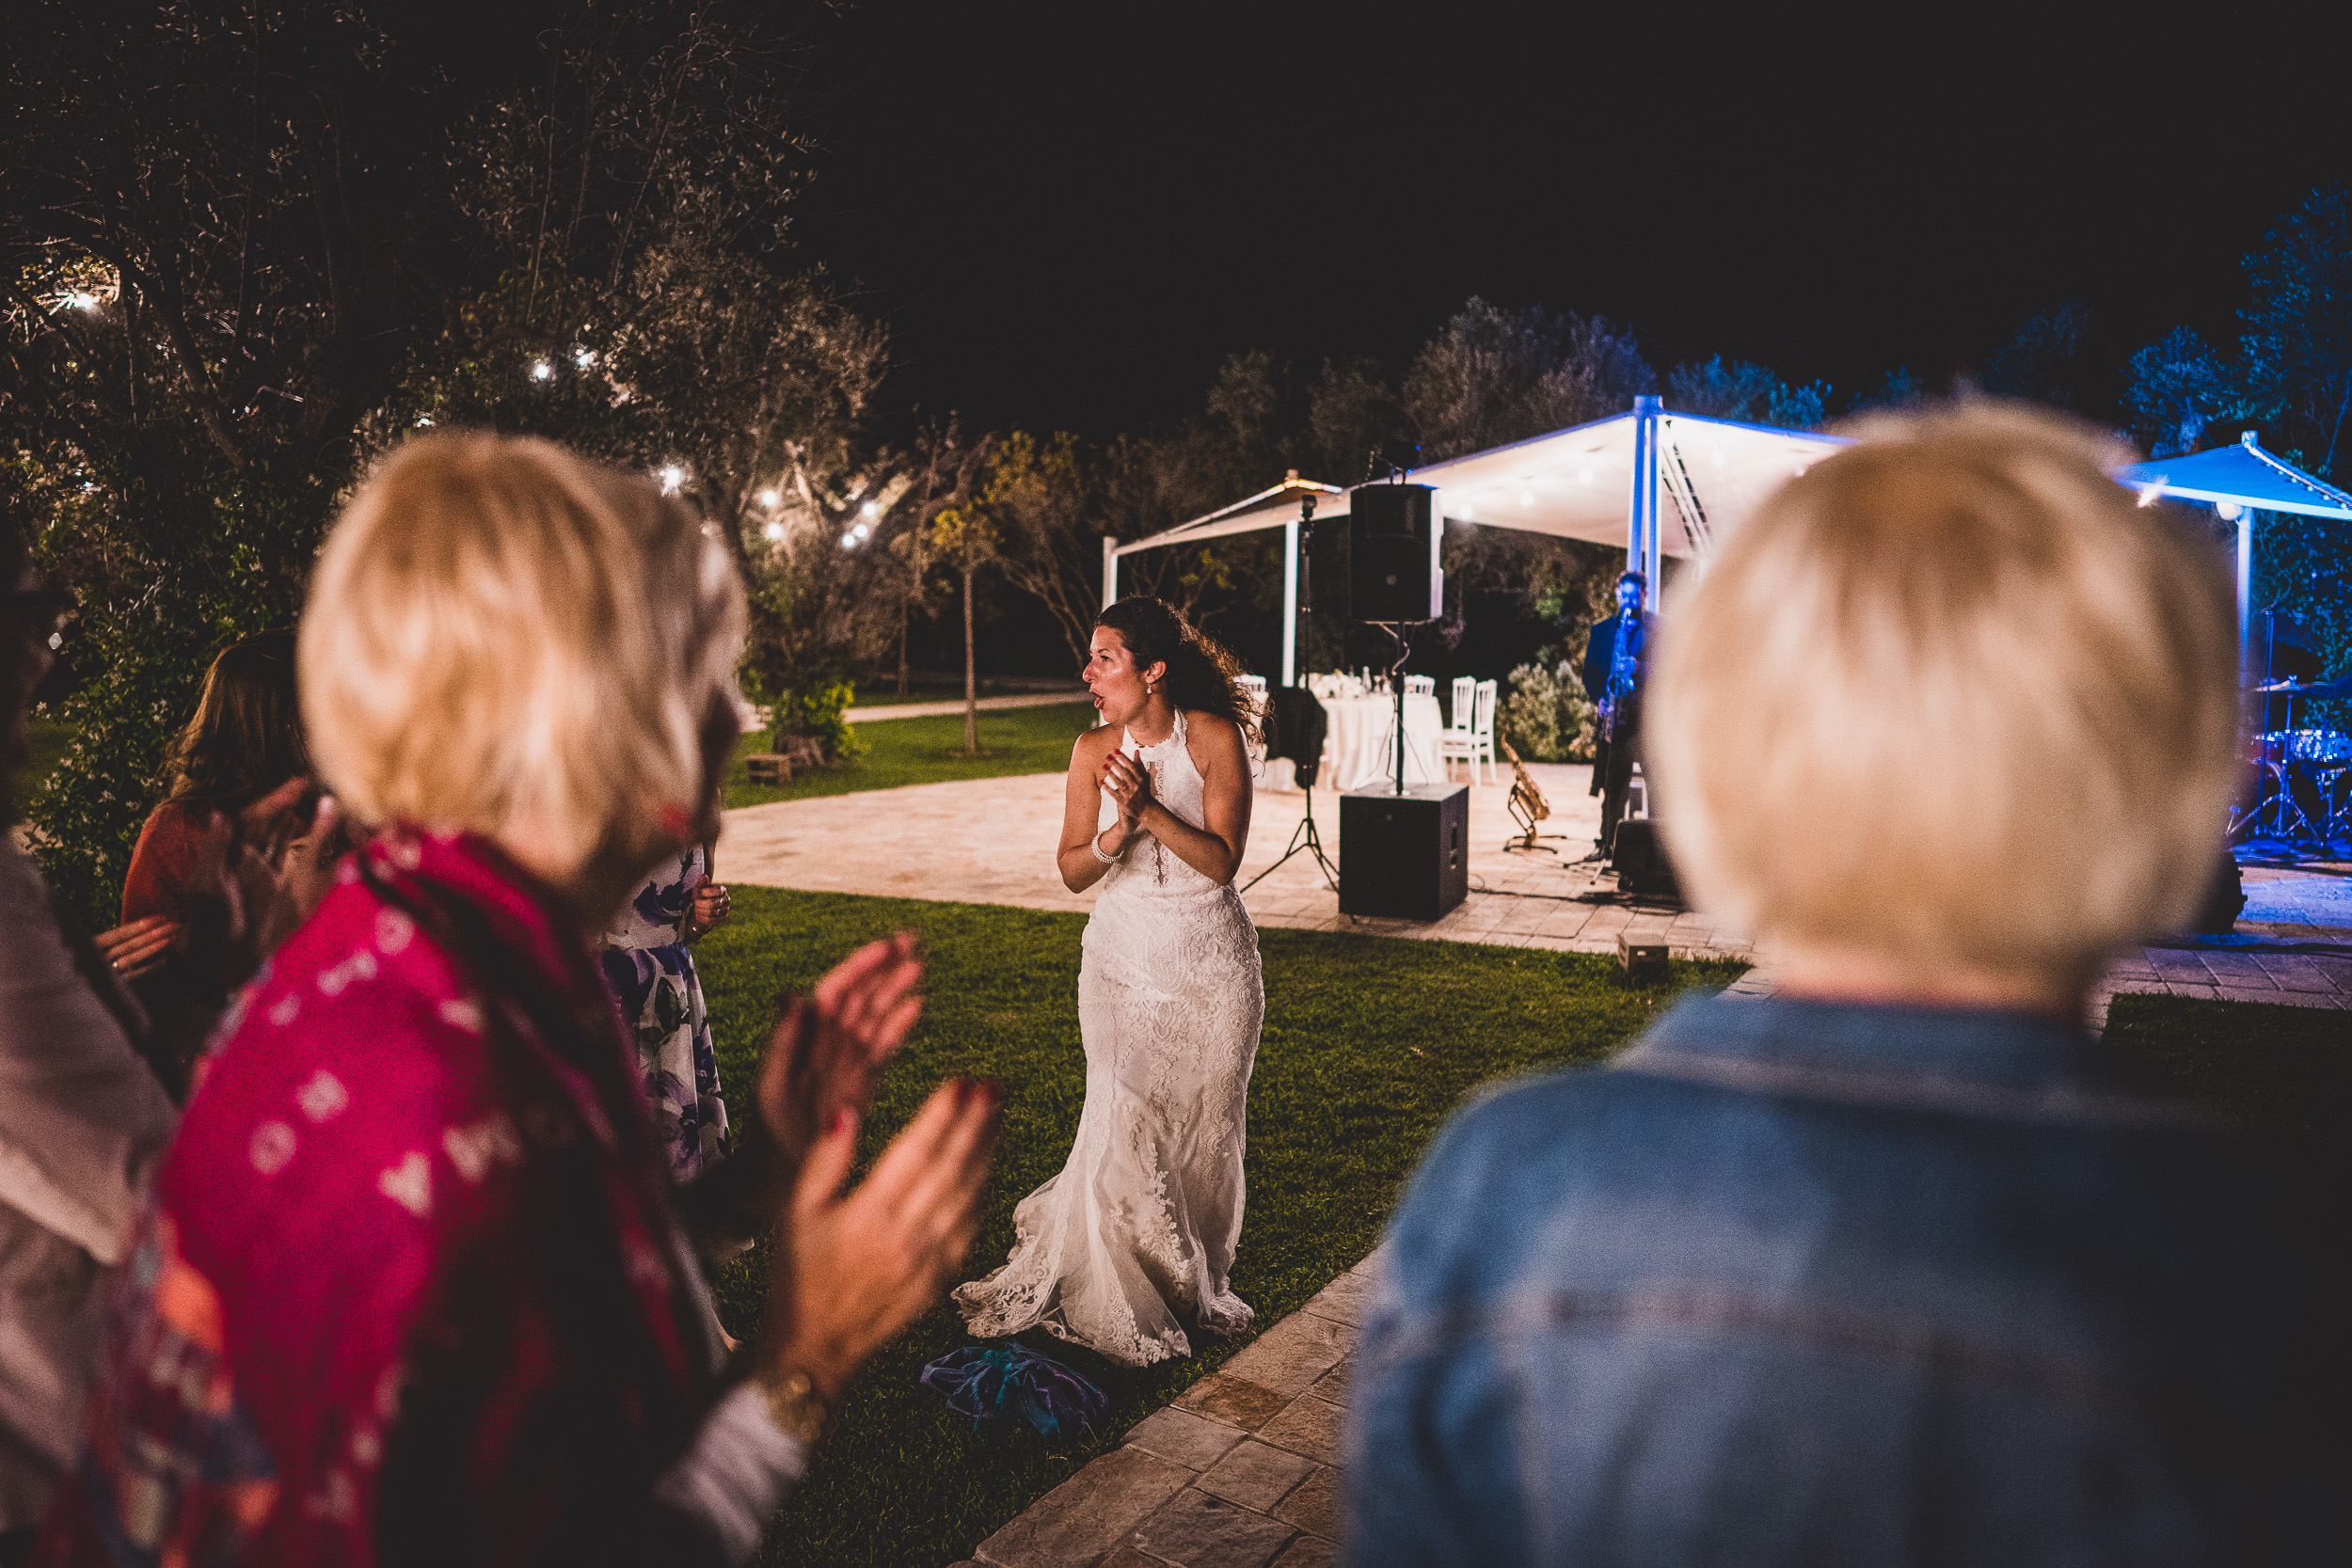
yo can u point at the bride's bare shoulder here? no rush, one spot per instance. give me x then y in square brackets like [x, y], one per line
[1095, 744]
[1213, 728]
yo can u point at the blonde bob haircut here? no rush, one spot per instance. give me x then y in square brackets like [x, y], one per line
[499, 632]
[1952, 697]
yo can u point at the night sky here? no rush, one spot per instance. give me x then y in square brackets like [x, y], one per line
[1068, 215]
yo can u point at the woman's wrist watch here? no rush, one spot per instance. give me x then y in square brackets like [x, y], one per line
[794, 1403]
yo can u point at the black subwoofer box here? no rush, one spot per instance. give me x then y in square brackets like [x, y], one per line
[1405, 856]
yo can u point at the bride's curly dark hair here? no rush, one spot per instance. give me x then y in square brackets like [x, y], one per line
[1203, 673]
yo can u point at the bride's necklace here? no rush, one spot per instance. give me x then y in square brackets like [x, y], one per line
[1159, 856]
[1151, 769]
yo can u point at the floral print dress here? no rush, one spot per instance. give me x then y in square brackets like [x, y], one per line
[651, 971]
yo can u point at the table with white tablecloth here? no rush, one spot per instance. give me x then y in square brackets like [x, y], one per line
[1360, 753]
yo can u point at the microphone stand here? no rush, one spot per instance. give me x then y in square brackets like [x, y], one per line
[1396, 682]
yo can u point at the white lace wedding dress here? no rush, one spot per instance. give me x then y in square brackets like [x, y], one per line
[1136, 1236]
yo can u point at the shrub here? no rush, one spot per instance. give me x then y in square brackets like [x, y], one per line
[1548, 718]
[812, 713]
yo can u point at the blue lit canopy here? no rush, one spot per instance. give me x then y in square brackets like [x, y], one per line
[2239, 482]
[2243, 476]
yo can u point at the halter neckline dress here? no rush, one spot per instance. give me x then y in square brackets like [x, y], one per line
[1133, 1240]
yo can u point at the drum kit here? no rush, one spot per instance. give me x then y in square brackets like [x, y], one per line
[2300, 796]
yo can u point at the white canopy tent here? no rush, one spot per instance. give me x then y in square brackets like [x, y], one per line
[1600, 481]
[2237, 481]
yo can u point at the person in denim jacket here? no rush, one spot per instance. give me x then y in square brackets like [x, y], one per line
[1896, 1265]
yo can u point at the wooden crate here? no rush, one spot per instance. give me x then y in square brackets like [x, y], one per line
[768, 768]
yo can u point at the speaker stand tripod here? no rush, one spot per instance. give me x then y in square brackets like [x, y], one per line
[1304, 840]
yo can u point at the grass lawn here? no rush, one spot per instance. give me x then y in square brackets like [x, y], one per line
[2286, 1069]
[884, 692]
[1369, 1043]
[928, 751]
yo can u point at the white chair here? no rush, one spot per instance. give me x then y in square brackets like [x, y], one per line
[1421, 686]
[1463, 688]
[1476, 744]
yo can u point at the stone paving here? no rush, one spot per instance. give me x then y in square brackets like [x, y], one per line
[2293, 947]
[991, 841]
[1242, 1471]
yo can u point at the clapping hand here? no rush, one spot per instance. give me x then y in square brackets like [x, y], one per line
[1129, 787]
[850, 1270]
[829, 1048]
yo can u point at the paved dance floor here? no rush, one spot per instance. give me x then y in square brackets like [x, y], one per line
[991, 841]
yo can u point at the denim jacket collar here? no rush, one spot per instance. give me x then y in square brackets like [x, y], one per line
[1974, 1061]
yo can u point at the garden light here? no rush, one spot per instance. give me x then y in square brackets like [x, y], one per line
[542, 371]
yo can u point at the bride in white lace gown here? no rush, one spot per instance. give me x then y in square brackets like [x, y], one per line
[1133, 1240]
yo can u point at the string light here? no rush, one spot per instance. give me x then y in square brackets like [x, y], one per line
[672, 478]
[774, 532]
[768, 498]
[869, 510]
[584, 359]
[542, 371]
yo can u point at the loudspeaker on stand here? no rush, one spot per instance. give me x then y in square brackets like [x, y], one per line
[1393, 535]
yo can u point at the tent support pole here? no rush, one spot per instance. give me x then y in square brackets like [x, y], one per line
[1641, 540]
[1110, 571]
[1289, 602]
[2245, 596]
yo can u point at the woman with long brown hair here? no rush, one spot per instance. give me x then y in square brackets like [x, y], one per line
[1135, 1239]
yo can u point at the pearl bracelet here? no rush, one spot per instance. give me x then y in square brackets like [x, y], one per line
[1095, 844]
